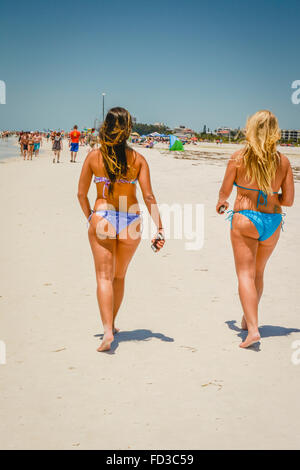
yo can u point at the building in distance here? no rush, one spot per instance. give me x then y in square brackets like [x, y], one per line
[289, 135]
[183, 132]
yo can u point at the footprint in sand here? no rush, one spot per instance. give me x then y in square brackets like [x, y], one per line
[190, 348]
[59, 350]
[216, 383]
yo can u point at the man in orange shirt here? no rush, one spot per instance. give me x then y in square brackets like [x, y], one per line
[74, 145]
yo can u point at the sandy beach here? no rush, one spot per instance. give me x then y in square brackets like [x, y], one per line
[176, 378]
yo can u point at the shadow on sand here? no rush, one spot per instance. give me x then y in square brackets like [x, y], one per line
[266, 331]
[135, 335]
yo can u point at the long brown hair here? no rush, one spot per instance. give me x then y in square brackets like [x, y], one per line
[113, 135]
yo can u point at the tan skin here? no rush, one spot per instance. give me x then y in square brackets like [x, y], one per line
[24, 141]
[37, 139]
[113, 253]
[251, 255]
[30, 147]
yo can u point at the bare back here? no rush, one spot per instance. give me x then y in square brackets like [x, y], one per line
[247, 199]
[123, 198]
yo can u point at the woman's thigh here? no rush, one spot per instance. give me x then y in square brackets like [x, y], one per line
[127, 244]
[245, 251]
[265, 249]
[104, 253]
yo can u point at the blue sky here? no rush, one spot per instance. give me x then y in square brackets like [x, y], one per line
[187, 62]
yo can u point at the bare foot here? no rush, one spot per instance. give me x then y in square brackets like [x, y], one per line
[106, 342]
[251, 339]
[116, 330]
[244, 324]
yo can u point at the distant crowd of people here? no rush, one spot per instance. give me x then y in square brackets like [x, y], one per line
[30, 142]
[150, 141]
[5, 134]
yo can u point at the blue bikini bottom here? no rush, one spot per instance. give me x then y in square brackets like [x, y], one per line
[119, 220]
[266, 224]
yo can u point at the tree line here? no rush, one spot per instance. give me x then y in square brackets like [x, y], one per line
[144, 129]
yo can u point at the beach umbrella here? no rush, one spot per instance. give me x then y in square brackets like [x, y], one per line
[154, 134]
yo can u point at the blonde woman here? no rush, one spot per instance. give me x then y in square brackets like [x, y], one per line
[264, 182]
[114, 231]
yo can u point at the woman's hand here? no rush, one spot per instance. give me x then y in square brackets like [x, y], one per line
[83, 187]
[228, 181]
[159, 243]
[224, 205]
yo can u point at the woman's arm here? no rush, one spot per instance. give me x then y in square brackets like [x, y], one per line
[227, 185]
[286, 198]
[83, 187]
[149, 198]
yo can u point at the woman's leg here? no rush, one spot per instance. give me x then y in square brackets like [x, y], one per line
[104, 256]
[264, 251]
[126, 247]
[244, 238]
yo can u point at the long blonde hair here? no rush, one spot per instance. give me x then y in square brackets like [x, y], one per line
[260, 156]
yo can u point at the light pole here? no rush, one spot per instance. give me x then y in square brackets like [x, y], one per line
[103, 95]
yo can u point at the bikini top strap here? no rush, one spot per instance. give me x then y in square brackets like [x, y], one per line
[243, 187]
[102, 179]
[126, 181]
[251, 189]
[107, 182]
[261, 195]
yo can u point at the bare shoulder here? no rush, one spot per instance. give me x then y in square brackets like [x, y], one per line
[93, 154]
[236, 157]
[92, 158]
[138, 158]
[284, 161]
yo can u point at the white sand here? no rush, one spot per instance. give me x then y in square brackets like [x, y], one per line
[198, 390]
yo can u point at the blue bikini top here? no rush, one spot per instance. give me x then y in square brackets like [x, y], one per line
[107, 182]
[261, 195]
